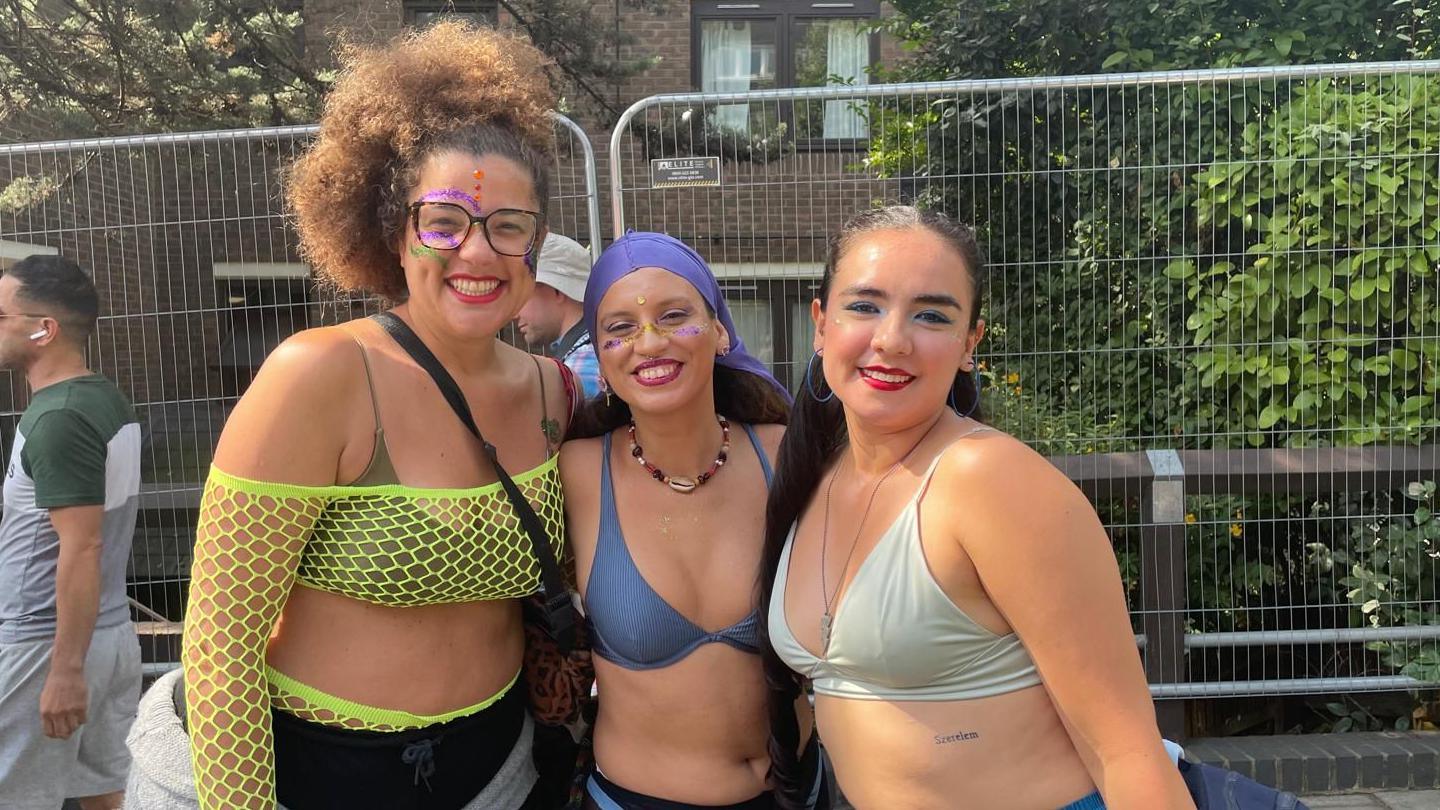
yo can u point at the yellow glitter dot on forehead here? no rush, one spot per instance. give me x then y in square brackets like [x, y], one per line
[640, 301]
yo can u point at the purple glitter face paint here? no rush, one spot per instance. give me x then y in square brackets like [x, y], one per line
[454, 196]
[447, 241]
[679, 331]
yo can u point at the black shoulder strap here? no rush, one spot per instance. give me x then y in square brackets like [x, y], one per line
[559, 611]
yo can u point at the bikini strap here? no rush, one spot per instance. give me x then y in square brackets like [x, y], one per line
[759, 451]
[549, 427]
[609, 514]
[573, 393]
[369, 382]
[935, 463]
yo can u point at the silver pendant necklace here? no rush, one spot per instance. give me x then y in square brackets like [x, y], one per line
[827, 618]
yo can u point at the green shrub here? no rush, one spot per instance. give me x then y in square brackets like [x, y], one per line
[1318, 322]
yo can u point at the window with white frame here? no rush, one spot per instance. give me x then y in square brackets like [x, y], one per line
[740, 46]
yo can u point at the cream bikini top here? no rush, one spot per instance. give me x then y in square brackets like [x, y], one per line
[896, 635]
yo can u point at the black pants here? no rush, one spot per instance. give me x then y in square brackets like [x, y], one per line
[810, 761]
[439, 767]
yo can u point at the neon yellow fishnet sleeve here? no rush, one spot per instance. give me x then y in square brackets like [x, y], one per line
[247, 548]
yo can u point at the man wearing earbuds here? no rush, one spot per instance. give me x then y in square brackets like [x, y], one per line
[69, 657]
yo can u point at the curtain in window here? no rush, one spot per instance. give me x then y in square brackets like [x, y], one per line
[725, 68]
[847, 54]
[752, 320]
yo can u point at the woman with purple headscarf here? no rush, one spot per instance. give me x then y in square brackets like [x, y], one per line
[665, 501]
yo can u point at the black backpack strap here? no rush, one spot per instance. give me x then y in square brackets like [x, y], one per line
[559, 610]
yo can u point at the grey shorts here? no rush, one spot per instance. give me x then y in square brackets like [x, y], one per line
[39, 772]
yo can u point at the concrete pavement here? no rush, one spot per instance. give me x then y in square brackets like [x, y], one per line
[1376, 800]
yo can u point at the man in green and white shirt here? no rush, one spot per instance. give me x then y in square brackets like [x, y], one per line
[69, 657]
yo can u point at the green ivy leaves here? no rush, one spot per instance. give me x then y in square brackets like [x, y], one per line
[1319, 318]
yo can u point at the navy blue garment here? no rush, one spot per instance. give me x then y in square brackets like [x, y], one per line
[630, 625]
[1215, 788]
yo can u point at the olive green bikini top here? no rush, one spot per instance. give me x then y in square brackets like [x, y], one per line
[381, 542]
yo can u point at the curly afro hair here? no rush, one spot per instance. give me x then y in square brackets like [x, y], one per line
[452, 86]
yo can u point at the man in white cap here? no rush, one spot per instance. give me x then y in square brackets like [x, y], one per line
[552, 316]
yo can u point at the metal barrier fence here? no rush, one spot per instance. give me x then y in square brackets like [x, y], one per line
[199, 276]
[1236, 263]
[1193, 277]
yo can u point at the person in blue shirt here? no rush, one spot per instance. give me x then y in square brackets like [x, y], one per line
[552, 316]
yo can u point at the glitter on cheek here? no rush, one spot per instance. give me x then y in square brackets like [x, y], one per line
[423, 252]
[682, 331]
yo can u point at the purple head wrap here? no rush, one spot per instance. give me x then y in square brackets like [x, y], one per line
[638, 249]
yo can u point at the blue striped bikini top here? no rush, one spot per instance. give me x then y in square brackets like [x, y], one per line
[630, 625]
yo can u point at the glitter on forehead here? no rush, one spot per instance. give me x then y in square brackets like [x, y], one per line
[479, 175]
[453, 195]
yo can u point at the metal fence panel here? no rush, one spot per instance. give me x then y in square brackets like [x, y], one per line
[199, 276]
[1231, 261]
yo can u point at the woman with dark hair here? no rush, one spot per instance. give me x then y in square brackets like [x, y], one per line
[951, 597]
[665, 503]
[353, 635]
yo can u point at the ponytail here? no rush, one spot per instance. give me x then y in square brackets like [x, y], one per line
[812, 441]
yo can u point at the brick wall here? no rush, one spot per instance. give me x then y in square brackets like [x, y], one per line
[152, 222]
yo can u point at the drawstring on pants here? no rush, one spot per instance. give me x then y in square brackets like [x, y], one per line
[421, 754]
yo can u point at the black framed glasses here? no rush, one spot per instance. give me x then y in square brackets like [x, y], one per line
[446, 226]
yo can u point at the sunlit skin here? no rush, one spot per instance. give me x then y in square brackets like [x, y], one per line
[17, 347]
[1008, 540]
[542, 320]
[696, 730]
[307, 420]
[499, 285]
[882, 322]
[671, 332]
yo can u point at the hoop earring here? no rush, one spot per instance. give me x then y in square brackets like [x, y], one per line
[954, 406]
[810, 385]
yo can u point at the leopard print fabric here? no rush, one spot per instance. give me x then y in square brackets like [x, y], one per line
[558, 683]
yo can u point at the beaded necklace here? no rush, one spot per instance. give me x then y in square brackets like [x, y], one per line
[680, 483]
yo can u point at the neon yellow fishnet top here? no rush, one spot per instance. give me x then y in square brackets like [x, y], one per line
[389, 545]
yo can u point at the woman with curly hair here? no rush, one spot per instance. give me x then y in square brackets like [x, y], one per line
[665, 486]
[950, 595]
[353, 635]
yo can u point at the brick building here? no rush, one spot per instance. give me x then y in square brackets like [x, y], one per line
[200, 277]
[764, 227]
